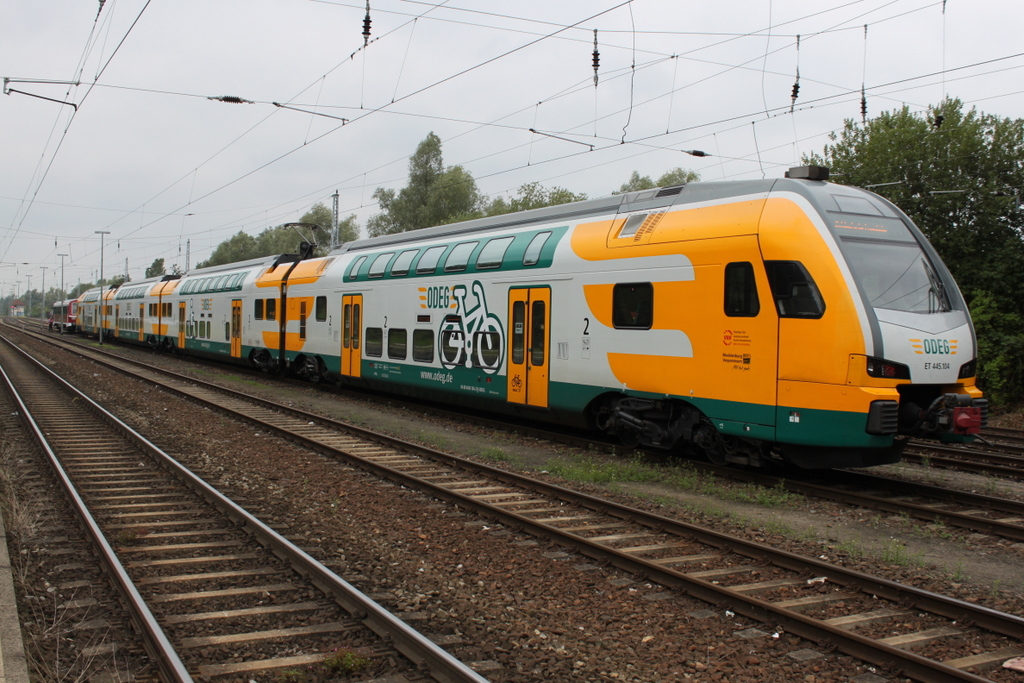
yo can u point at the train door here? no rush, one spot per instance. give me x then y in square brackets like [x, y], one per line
[529, 315]
[351, 322]
[181, 324]
[117, 320]
[236, 328]
[142, 322]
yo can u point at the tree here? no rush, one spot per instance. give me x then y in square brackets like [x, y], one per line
[532, 196]
[435, 195]
[119, 280]
[959, 176]
[156, 269]
[348, 228]
[677, 176]
[238, 247]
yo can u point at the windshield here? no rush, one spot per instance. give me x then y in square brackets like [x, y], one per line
[889, 264]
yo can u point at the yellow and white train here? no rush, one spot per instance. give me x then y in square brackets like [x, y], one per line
[784, 319]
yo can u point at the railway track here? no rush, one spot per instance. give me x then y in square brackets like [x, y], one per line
[920, 634]
[214, 591]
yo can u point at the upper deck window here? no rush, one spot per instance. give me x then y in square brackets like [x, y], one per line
[531, 256]
[379, 264]
[428, 262]
[458, 259]
[401, 264]
[493, 253]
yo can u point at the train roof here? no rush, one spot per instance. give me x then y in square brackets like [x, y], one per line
[644, 200]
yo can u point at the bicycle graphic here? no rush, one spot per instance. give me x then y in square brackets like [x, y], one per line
[471, 337]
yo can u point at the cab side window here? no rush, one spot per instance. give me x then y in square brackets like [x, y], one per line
[796, 295]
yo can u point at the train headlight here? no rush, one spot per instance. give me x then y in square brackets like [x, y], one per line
[886, 369]
[968, 369]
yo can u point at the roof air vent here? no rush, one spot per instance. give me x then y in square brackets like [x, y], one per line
[670, 191]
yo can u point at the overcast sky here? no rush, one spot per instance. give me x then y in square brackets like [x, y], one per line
[149, 157]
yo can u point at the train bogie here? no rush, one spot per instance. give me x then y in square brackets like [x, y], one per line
[780, 320]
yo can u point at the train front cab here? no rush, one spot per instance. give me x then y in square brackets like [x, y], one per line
[859, 376]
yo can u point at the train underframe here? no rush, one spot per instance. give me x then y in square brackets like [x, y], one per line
[923, 411]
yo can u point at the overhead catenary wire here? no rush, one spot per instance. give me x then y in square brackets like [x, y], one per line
[672, 90]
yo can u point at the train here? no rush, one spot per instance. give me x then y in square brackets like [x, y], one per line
[64, 315]
[788, 321]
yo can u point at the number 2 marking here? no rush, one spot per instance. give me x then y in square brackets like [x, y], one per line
[586, 326]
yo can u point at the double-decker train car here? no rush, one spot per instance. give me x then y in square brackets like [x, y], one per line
[788, 320]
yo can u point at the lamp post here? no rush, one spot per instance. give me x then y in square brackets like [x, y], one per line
[28, 295]
[42, 312]
[63, 307]
[103, 302]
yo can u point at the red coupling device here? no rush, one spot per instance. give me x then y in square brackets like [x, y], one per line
[966, 420]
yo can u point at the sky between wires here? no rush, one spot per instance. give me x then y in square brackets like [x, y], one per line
[151, 158]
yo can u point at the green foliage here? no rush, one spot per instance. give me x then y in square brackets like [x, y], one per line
[119, 280]
[278, 240]
[156, 269]
[532, 196]
[677, 176]
[1000, 349]
[238, 247]
[959, 176]
[348, 228]
[345, 662]
[435, 195]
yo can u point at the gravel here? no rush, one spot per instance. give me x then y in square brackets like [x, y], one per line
[520, 609]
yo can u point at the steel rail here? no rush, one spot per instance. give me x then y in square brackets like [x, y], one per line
[922, 511]
[851, 643]
[153, 636]
[417, 647]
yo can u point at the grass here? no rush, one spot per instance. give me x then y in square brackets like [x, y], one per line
[341, 662]
[130, 536]
[896, 553]
[496, 455]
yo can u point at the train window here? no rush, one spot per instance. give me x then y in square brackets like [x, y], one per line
[632, 224]
[488, 349]
[741, 291]
[374, 342]
[796, 295]
[518, 331]
[257, 309]
[532, 255]
[379, 264]
[633, 305]
[402, 263]
[458, 258]
[423, 346]
[493, 253]
[321, 309]
[271, 309]
[856, 205]
[428, 262]
[538, 333]
[353, 272]
[398, 343]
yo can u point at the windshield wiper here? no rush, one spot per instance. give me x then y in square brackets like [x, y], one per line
[937, 288]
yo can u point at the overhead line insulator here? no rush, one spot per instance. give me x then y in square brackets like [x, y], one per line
[597, 58]
[366, 25]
